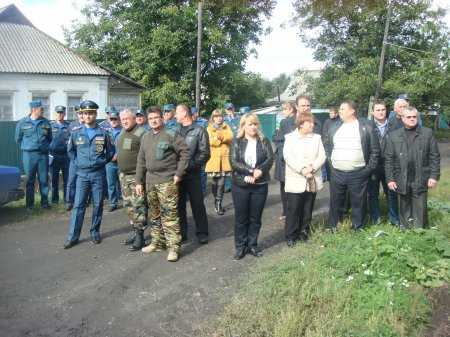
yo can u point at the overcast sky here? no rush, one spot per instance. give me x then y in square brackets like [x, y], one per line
[280, 52]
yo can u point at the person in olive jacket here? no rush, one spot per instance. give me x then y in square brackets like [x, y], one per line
[412, 164]
[251, 160]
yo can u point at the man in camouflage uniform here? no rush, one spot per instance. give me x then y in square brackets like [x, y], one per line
[127, 148]
[162, 161]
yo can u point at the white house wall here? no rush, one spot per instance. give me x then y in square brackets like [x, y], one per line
[59, 88]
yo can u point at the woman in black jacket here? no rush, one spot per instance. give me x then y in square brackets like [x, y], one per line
[251, 160]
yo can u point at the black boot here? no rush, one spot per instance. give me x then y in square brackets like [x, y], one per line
[130, 239]
[219, 208]
[138, 242]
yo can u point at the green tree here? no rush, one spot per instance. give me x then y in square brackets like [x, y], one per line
[154, 42]
[347, 35]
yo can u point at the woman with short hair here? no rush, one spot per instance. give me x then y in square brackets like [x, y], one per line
[218, 166]
[251, 160]
[304, 155]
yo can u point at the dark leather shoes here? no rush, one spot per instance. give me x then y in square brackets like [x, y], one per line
[255, 252]
[240, 253]
[69, 244]
[203, 240]
[130, 239]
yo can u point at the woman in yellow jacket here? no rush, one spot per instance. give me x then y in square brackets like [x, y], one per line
[218, 166]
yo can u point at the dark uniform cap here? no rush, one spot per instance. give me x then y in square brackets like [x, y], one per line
[36, 104]
[140, 112]
[110, 109]
[114, 114]
[168, 107]
[88, 105]
[229, 106]
[244, 110]
[60, 108]
[404, 96]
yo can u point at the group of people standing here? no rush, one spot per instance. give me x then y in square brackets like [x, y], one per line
[157, 160]
[356, 155]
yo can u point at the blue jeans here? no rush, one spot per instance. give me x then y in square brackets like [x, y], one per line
[374, 203]
[87, 183]
[60, 164]
[34, 163]
[112, 178]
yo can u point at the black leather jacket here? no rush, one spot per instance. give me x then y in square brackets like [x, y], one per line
[369, 143]
[264, 161]
[197, 141]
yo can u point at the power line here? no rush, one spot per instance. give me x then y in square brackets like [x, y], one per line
[408, 48]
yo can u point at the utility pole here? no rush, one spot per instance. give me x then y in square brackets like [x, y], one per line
[383, 51]
[199, 58]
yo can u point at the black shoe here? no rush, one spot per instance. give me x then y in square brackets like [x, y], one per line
[112, 208]
[255, 252]
[130, 239]
[184, 239]
[290, 243]
[138, 242]
[69, 207]
[203, 240]
[69, 244]
[46, 206]
[240, 253]
[96, 241]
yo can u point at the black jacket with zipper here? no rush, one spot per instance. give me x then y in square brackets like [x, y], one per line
[264, 161]
[369, 143]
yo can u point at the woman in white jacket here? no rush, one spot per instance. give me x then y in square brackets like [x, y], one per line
[304, 155]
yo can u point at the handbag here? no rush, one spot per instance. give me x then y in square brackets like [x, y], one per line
[311, 185]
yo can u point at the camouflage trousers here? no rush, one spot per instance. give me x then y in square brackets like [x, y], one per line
[163, 215]
[134, 204]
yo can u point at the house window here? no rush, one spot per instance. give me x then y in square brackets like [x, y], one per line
[45, 100]
[6, 111]
[125, 101]
[72, 101]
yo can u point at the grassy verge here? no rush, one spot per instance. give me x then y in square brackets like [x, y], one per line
[16, 211]
[370, 283]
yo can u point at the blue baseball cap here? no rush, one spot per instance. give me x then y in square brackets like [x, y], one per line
[168, 107]
[114, 114]
[36, 104]
[229, 106]
[140, 112]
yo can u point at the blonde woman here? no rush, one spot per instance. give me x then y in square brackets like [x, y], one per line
[304, 155]
[251, 160]
[218, 166]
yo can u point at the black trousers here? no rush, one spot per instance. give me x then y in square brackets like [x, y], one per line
[299, 215]
[355, 183]
[192, 187]
[249, 204]
[284, 200]
[217, 187]
[413, 212]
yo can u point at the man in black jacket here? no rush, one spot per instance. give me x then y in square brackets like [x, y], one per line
[352, 151]
[382, 129]
[197, 141]
[412, 164]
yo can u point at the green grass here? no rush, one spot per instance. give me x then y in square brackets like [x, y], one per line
[371, 283]
[16, 211]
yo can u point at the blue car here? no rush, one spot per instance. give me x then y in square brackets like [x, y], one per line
[10, 184]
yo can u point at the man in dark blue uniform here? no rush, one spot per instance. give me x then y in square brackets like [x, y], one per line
[34, 135]
[71, 181]
[198, 120]
[112, 171]
[58, 152]
[106, 124]
[170, 123]
[91, 149]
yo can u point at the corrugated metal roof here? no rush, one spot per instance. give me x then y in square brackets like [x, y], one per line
[25, 49]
